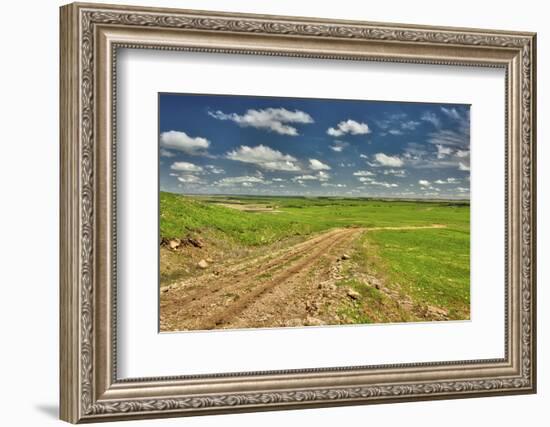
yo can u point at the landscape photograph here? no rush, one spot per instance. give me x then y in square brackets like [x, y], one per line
[303, 212]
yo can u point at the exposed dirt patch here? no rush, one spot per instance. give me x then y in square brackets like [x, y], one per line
[304, 284]
[249, 208]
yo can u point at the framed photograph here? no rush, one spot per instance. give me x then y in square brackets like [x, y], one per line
[266, 213]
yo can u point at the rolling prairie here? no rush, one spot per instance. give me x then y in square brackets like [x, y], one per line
[254, 262]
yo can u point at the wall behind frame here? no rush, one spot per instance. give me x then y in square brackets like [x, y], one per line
[29, 170]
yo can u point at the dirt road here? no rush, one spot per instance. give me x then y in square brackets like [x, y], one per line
[293, 286]
[266, 291]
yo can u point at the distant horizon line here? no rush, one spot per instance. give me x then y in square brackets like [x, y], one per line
[319, 196]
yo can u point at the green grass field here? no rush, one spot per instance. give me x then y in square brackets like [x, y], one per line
[430, 265]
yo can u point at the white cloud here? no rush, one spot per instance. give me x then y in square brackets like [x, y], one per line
[186, 167]
[432, 118]
[396, 124]
[242, 180]
[463, 167]
[189, 179]
[443, 151]
[273, 119]
[327, 184]
[180, 141]
[459, 139]
[449, 180]
[214, 169]
[363, 173]
[320, 176]
[264, 157]
[372, 181]
[338, 146]
[278, 180]
[463, 189]
[400, 173]
[424, 183]
[349, 126]
[386, 160]
[451, 113]
[410, 125]
[323, 176]
[166, 153]
[317, 165]
[363, 156]
[305, 178]
[462, 153]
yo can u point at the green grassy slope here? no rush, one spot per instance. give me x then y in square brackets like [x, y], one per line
[430, 265]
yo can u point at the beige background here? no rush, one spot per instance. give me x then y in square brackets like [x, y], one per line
[29, 227]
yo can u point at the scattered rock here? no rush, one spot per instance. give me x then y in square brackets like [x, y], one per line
[345, 256]
[437, 312]
[312, 306]
[209, 260]
[293, 322]
[353, 294]
[405, 305]
[313, 321]
[193, 242]
[202, 264]
[174, 243]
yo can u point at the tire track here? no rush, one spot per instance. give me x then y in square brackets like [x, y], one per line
[308, 262]
[232, 277]
[182, 310]
[220, 301]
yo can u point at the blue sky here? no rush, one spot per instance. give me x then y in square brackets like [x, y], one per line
[212, 144]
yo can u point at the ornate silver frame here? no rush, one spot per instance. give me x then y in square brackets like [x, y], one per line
[90, 36]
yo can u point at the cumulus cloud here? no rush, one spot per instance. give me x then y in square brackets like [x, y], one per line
[190, 179]
[246, 181]
[463, 167]
[176, 140]
[186, 167]
[449, 180]
[443, 151]
[385, 160]
[305, 178]
[317, 165]
[166, 153]
[319, 176]
[363, 173]
[327, 184]
[424, 183]
[214, 169]
[338, 146]
[349, 127]
[372, 181]
[400, 173]
[264, 157]
[323, 176]
[273, 119]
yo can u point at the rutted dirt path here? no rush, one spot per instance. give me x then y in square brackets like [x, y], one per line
[282, 288]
